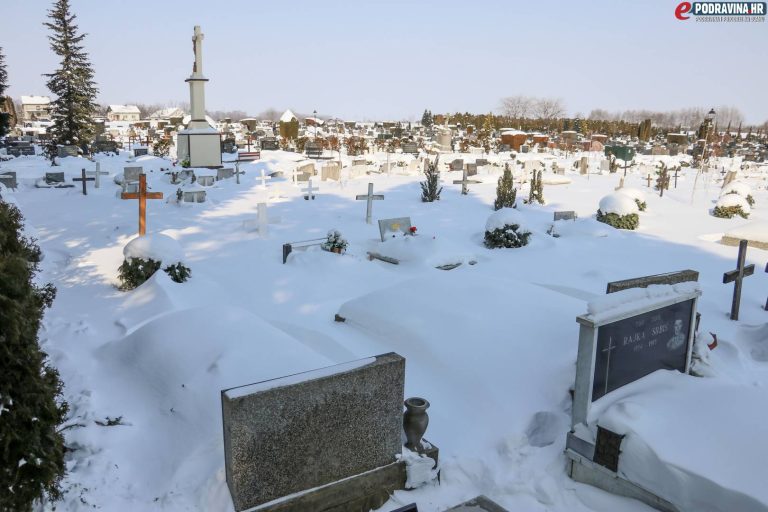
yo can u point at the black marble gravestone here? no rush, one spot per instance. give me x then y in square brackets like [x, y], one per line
[635, 347]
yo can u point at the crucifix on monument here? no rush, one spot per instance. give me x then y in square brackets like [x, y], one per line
[464, 182]
[369, 197]
[142, 195]
[84, 179]
[736, 276]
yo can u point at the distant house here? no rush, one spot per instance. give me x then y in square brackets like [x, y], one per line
[34, 108]
[172, 114]
[128, 113]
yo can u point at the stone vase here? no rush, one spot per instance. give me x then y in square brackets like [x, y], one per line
[415, 421]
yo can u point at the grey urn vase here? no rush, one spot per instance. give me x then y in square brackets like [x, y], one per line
[415, 421]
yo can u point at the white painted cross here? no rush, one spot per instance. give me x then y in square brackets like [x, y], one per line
[464, 182]
[263, 179]
[98, 173]
[309, 191]
[369, 197]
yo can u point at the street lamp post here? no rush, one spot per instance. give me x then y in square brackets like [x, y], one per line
[314, 120]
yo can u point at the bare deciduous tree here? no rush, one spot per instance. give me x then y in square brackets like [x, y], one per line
[548, 108]
[517, 107]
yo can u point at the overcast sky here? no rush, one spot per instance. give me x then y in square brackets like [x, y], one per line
[392, 59]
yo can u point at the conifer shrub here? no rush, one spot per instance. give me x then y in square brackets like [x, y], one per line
[630, 221]
[504, 230]
[728, 212]
[619, 210]
[134, 272]
[31, 409]
[506, 193]
[430, 188]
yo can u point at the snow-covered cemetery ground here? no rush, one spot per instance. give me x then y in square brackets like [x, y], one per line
[492, 343]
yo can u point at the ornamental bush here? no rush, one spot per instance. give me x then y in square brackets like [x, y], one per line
[135, 271]
[506, 193]
[728, 212]
[508, 237]
[31, 409]
[641, 205]
[629, 221]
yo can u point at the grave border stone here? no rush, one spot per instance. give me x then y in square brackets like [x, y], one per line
[680, 276]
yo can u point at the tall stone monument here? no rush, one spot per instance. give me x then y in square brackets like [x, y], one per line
[199, 142]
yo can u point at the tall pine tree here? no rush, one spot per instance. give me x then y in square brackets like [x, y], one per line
[5, 118]
[72, 83]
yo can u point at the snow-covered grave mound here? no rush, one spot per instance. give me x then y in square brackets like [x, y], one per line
[155, 246]
[422, 250]
[165, 378]
[737, 187]
[618, 203]
[634, 193]
[696, 442]
[554, 179]
[755, 232]
[506, 217]
[730, 200]
[456, 327]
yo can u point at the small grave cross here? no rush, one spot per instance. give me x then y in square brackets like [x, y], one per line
[736, 277]
[309, 190]
[142, 195]
[676, 171]
[649, 180]
[237, 174]
[98, 173]
[464, 182]
[369, 197]
[766, 301]
[263, 179]
[84, 179]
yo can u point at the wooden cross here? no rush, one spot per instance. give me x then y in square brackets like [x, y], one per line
[676, 171]
[84, 179]
[369, 197]
[736, 276]
[309, 191]
[464, 182]
[649, 180]
[142, 195]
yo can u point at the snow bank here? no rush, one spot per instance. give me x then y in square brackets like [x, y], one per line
[423, 249]
[165, 378]
[612, 304]
[154, 246]
[729, 200]
[554, 179]
[737, 187]
[618, 203]
[503, 217]
[693, 441]
[634, 193]
[754, 231]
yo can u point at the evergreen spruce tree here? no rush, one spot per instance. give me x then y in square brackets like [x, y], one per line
[430, 189]
[506, 193]
[426, 119]
[536, 192]
[31, 447]
[72, 83]
[5, 118]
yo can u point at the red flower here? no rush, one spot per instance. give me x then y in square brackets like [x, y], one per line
[413, 230]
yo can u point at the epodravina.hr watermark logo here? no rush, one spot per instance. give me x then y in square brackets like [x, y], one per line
[729, 12]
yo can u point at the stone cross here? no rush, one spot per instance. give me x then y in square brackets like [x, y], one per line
[370, 197]
[464, 182]
[263, 179]
[142, 195]
[197, 48]
[84, 179]
[736, 276]
[97, 174]
[309, 190]
[237, 173]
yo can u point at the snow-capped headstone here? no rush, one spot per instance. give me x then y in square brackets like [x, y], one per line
[389, 227]
[624, 337]
[338, 427]
[223, 174]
